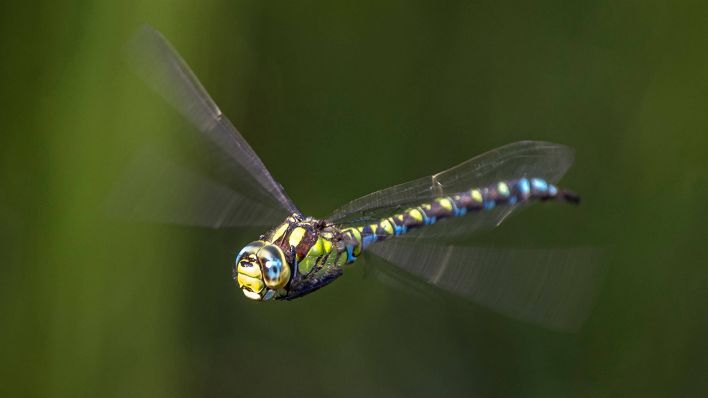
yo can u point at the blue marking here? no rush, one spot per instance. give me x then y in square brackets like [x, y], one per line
[350, 254]
[430, 220]
[455, 210]
[368, 239]
[461, 212]
[512, 200]
[524, 187]
[426, 219]
[488, 204]
[552, 190]
[539, 184]
[398, 229]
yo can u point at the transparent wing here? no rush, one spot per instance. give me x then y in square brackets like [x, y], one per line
[232, 163]
[520, 159]
[156, 188]
[554, 288]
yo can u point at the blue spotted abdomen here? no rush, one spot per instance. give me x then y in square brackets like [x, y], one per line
[507, 192]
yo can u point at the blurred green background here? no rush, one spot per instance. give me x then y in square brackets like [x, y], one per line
[394, 90]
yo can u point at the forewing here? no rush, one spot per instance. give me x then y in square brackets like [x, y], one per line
[229, 161]
[520, 159]
[156, 188]
[554, 287]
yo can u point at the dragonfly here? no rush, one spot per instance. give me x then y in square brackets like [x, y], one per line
[409, 225]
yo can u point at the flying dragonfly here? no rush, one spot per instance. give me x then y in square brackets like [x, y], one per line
[409, 225]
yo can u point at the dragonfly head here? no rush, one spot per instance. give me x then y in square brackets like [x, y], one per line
[260, 270]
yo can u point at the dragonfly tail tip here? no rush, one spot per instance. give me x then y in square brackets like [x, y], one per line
[570, 197]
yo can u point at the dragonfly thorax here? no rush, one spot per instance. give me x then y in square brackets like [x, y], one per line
[296, 257]
[261, 269]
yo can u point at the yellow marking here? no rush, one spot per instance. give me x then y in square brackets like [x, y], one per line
[374, 228]
[305, 266]
[387, 226]
[354, 232]
[296, 236]
[476, 195]
[393, 225]
[255, 284]
[320, 261]
[503, 189]
[415, 214]
[317, 249]
[326, 246]
[253, 271]
[278, 232]
[332, 258]
[445, 203]
[342, 258]
[426, 206]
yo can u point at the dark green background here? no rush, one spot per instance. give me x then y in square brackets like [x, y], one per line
[339, 99]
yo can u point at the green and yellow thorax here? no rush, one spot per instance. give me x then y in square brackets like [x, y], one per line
[288, 255]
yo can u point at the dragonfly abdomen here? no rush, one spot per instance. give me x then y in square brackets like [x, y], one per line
[507, 192]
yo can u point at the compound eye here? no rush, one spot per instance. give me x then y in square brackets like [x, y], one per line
[247, 271]
[276, 271]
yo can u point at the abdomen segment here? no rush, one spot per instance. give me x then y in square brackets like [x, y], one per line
[508, 192]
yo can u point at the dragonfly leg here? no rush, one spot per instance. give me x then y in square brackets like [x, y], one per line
[291, 258]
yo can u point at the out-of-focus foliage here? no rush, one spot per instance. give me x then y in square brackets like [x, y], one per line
[339, 100]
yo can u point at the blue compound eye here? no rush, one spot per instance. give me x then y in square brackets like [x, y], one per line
[273, 269]
[276, 271]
